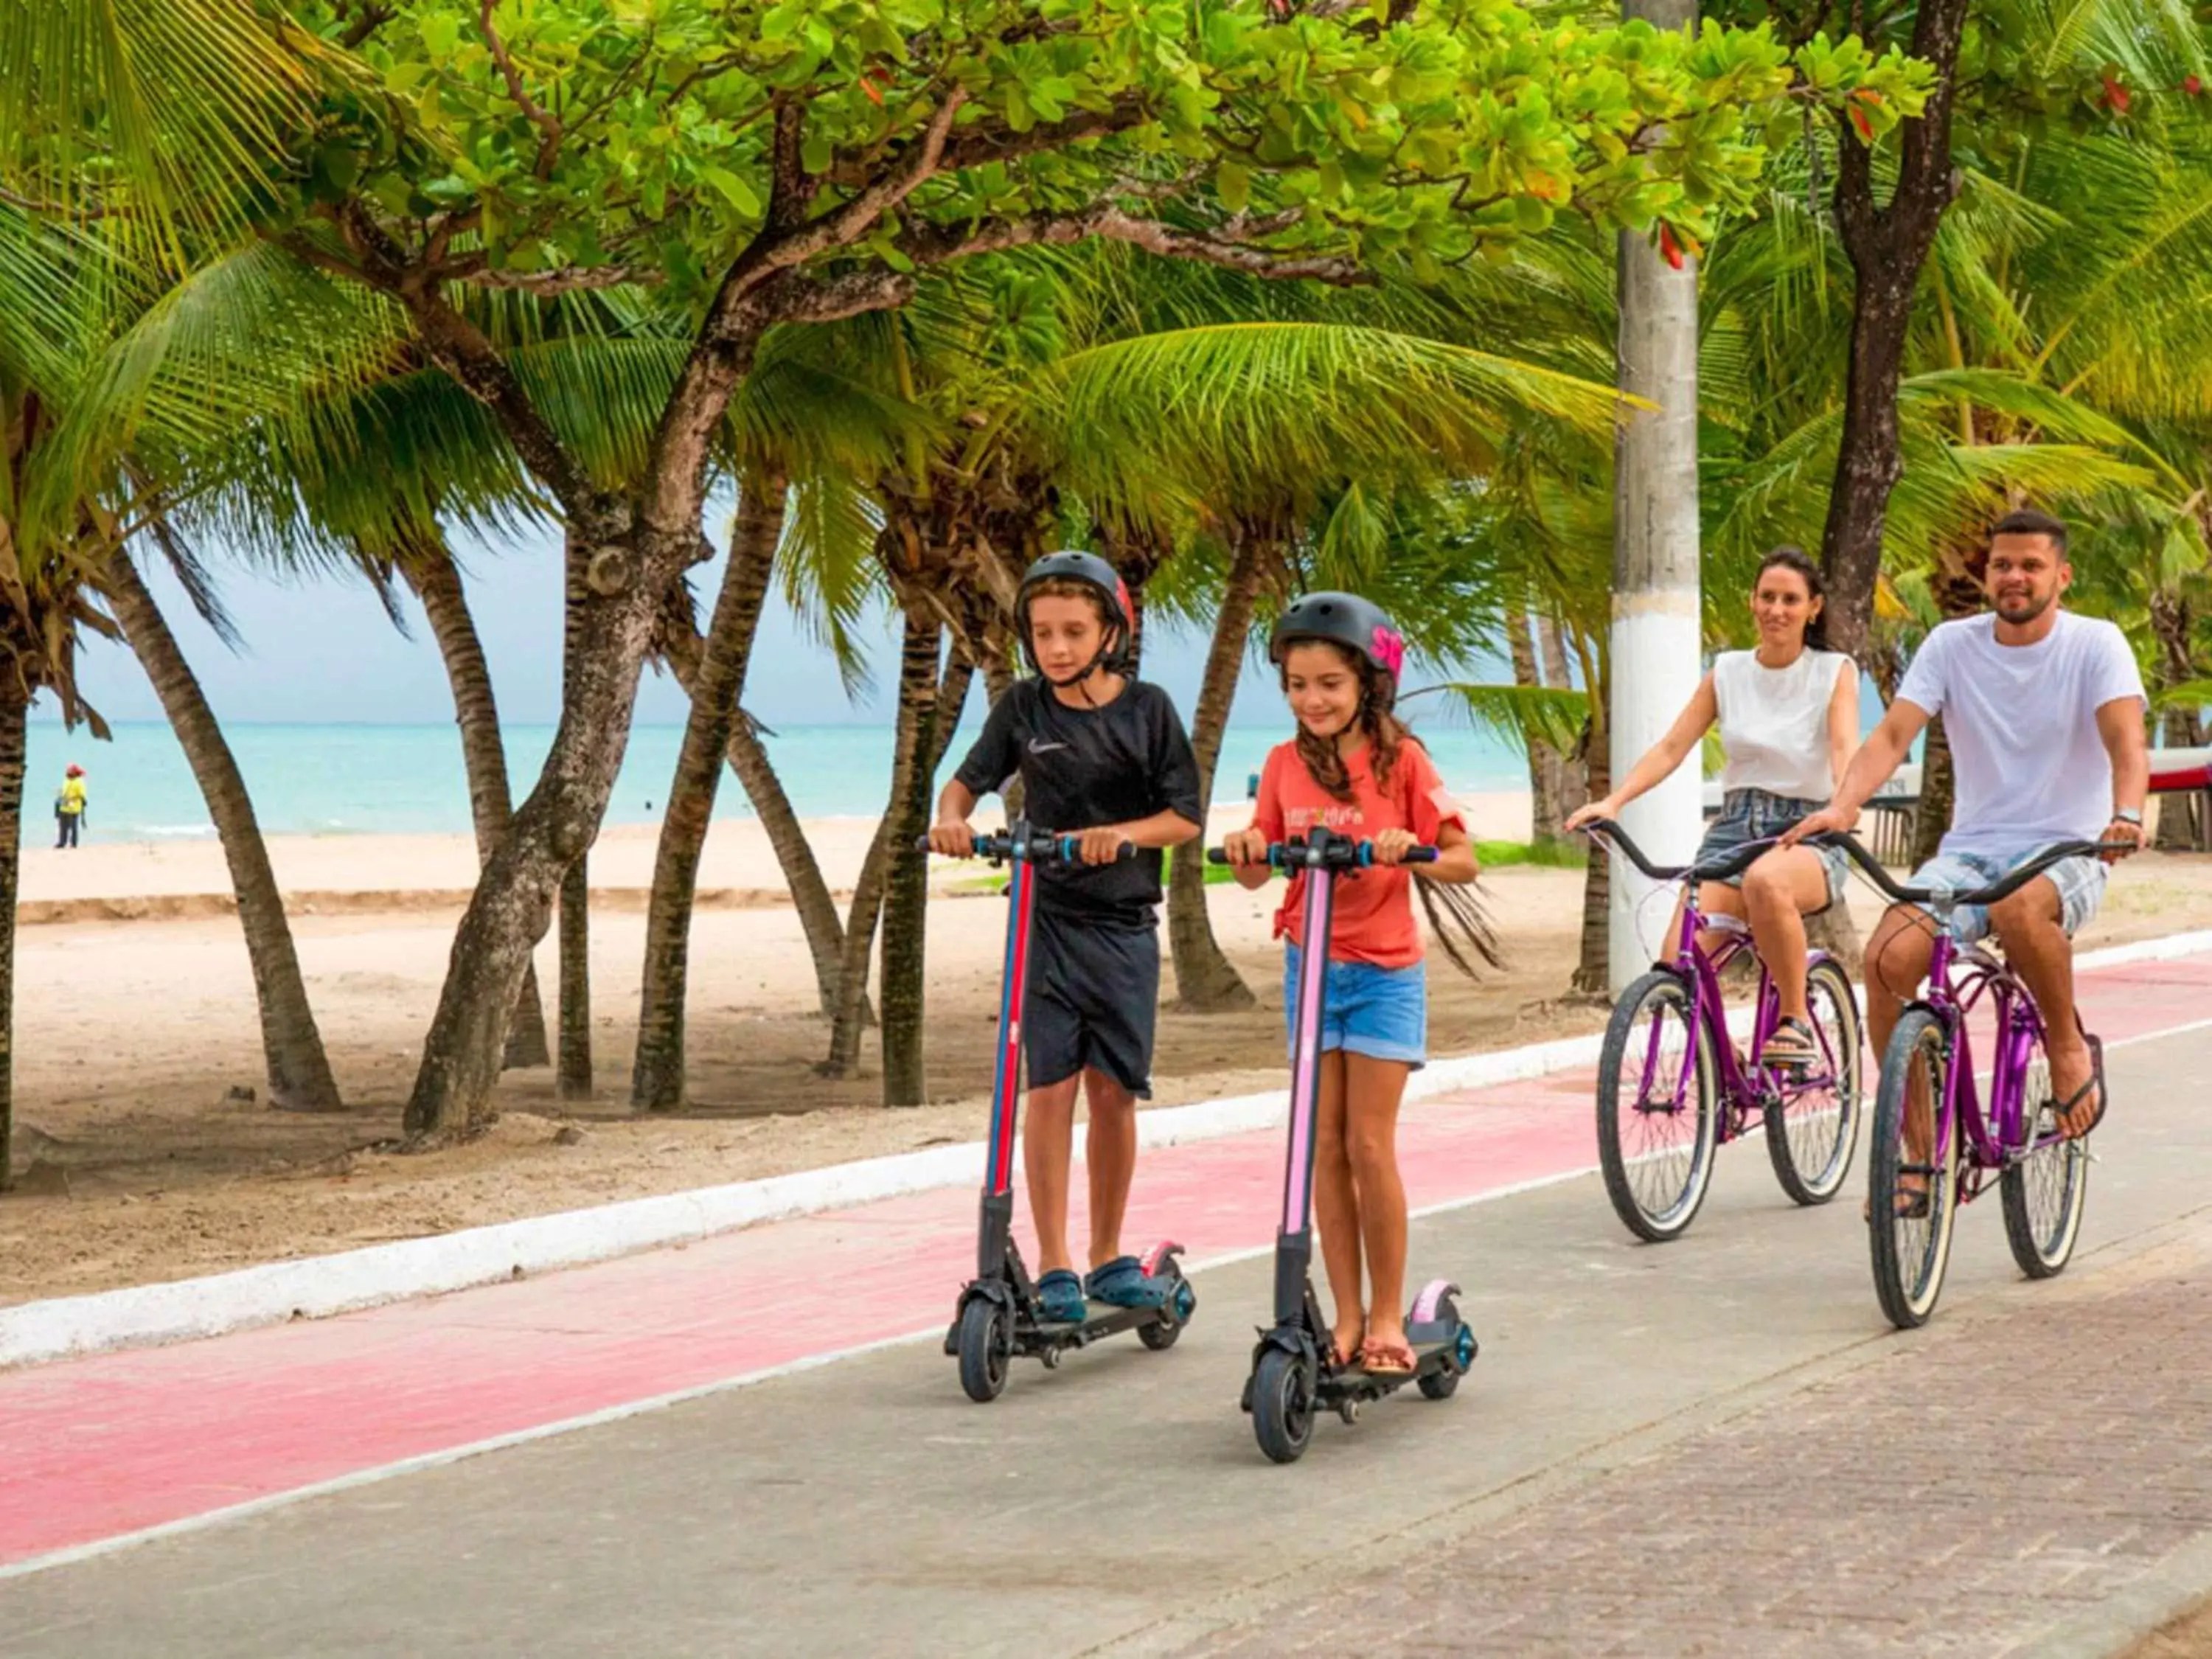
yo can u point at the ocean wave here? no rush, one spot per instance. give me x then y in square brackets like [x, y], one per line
[171, 831]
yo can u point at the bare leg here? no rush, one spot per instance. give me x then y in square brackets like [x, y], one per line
[1048, 1142]
[1778, 892]
[1715, 898]
[1373, 1090]
[2036, 946]
[1110, 1150]
[1336, 1206]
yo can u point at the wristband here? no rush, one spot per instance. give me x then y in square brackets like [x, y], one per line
[2128, 814]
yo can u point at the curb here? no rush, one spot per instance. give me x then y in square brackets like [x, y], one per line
[316, 1287]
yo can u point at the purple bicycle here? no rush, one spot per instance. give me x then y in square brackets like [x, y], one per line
[1672, 1086]
[1935, 1144]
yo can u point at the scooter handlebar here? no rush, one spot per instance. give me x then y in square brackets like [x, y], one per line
[1335, 851]
[1036, 846]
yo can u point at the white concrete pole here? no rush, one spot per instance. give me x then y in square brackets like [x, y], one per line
[1656, 642]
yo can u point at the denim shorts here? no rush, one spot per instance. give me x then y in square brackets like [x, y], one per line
[2079, 882]
[1380, 1012]
[1750, 815]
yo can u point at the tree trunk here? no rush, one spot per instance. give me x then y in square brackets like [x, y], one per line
[851, 1020]
[1547, 817]
[682, 648]
[292, 1047]
[1593, 973]
[657, 1075]
[1931, 817]
[15, 741]
[436, 581]
[1206, 983]
[2180, 826]
[1573, 792]
[574, 1076]
[1656, 621]
[1887, 244]
[906, 909]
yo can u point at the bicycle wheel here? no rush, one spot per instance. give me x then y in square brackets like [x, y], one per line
[1657, 1128]
[1812, 1132]
[2044, 1192]
[1912, 1196]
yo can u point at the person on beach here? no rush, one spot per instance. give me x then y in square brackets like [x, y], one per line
[1102, 755]
[1355, 769]
[1789, 715]
[70, 807]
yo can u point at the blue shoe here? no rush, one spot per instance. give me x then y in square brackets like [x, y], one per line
[1124, 1284]
[1059, 1299]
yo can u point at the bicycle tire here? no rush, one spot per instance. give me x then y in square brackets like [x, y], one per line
[1909, 1288]
[1662, 992]
[2043, 1247]
[1787, 1131]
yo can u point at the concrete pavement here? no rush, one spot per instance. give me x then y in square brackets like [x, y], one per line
[1700, 1447]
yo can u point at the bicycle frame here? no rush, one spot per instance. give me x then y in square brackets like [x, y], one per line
[1992, 1138]
[1743, 1089]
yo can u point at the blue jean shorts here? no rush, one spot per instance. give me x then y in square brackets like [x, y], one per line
[1380, 1012]
[1750, 815]
[2079, 882]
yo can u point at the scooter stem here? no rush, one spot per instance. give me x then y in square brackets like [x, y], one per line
[997, 1215]
[1294, 1239]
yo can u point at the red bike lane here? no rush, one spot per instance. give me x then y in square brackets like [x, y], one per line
[100, 1449]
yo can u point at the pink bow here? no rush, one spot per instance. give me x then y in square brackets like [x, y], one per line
[1390, 649]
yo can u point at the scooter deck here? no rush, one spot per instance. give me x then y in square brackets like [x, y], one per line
[1356, 1382]
[1104, 1319]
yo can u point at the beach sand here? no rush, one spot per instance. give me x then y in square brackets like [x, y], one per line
[140, 1156]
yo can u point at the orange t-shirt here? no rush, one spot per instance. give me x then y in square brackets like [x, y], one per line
[1374, 922]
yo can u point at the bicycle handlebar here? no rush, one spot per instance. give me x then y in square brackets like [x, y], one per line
[1996, 893]
[1325, 851]
[1729, 863]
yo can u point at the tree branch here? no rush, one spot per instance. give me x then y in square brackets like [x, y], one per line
[1232, 251]
[549, 146]
[372, 17]
[472, 268]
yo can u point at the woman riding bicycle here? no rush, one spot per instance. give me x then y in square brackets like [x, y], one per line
[1789, 719]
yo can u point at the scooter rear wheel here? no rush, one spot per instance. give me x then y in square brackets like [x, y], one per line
[986, 1347]
[1283, 1405]
[1160, 1335]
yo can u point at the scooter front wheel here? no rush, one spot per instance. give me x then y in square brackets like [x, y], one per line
[1283, 1405]
[986, 1347]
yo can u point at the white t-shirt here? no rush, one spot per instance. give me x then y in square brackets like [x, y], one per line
[1774, 722]
[2030, 765]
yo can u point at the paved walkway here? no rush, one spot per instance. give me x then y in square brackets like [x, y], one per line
[865, 1506]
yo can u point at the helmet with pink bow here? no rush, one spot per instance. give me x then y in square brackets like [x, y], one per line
[1360, 626]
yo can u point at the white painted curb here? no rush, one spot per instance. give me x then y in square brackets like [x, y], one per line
[317, 1286]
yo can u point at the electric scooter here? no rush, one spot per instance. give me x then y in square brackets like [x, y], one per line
[1295, 1375]
[1000, 1316]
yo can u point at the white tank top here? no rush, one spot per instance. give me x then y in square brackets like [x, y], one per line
[1774, 722]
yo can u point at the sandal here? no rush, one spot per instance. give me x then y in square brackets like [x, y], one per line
[1911, 1201]
[1381, 1358]
[2062, 1110]
[1792, 1046]
[1060, 1300]
[1342, 1359]
[1124, 1282]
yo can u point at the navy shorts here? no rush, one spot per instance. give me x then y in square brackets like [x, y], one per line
[1380, 1012]
[1093, 998]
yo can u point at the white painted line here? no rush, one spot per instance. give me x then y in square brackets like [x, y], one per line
[344, 1281]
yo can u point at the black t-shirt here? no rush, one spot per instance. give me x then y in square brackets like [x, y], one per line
[1081, 768]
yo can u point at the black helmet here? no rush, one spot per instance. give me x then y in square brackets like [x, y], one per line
[1095, 572]
[1344, 619]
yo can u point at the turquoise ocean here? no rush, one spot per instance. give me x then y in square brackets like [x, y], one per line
[407, 780]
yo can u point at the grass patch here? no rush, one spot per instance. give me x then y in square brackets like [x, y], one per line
[1549, 854]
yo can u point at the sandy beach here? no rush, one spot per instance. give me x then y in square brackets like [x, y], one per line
[143, 1150]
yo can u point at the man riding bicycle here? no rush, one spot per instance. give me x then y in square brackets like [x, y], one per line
[2044, 711]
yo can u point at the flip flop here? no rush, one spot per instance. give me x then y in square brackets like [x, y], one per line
[2060, 1110]
[1912, 1202]
[1060, 1300]
[1344, 1359]
[1791, 1046]
[1124, 1282]
[1387, 1360]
